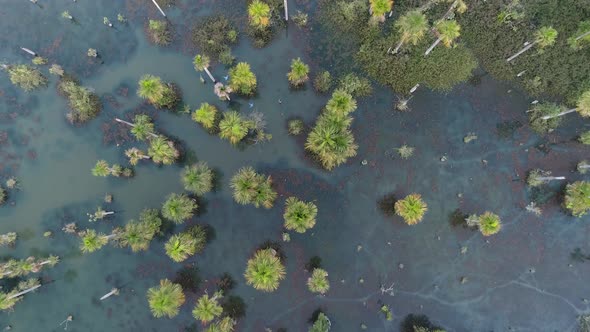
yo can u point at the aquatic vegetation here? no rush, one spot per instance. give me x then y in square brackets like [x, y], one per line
[39, 61]
[2, 196]
[295, 126]
[489, 224]
[355, 86]
[405, 151]
[18, 268]
[8, 239]
[544, 37]
[162, 151]
[577, 198]
[226, 324]
[158, 93]
[208, 308]
[298, 74]
[252, 188]
[318, 282]
[178, 208]
[242, 79]
[213, 35]
[323, 82]
[165, 299]
[197, 178]
[299, 216]
[57, 70]
[9, 300]
[585, 138]
[537, 115]
[92, 241]
[106, 21]
[321, 324]
[265, 270]
[206, 115]
[121, 18]
[412, 208]
[412, 27]
[386, 312]
[447, 31]
[259, 14]
[26, 77]
[539, 177]
[233, 127]
[84, 103]
[159, 32]
[138, 234]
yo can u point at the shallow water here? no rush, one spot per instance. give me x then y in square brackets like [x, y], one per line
[354, 237]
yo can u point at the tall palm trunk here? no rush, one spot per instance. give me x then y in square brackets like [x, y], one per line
[524, 49]
[209, 74]
[286, 10]
[550, 178]
[399, 45]
[547, 117]
[133, 125]
[113, 291]
[28, 51]
[160, 9]
[436, 42]
[582, 35]
[23, 292]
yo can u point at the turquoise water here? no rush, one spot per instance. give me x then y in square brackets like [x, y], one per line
[521, 279]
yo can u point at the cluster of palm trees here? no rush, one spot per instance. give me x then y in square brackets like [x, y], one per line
[250, 187]
[17, 268]
[9, 299]
[103, 169]
[545, 117]
[331, 140]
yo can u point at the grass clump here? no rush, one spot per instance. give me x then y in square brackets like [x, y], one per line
[84, 104]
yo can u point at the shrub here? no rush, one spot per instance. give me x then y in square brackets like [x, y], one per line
[299, 216]
[166, 299]
[252, 188]
[412, 208]
[84, 104]
[577, 198]
[321, 324]
[197, 178]
[178, 208]
[26, 77]
[265, 270]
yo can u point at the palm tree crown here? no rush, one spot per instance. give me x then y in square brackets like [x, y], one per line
[181, 246]
[143, 127]
[162, 151]
[545, 36]
[233, 127]
[166, 299]
[412, 26]
[178, 208]
[298, 73]
[299, 216]
[448, 30]
[201, 62]
[265, 270]
[412, 208]
[318, 282]
[259, 14]
[207, 308]
[242, 79]
[206, 115]
[197, 178]
[92, 241]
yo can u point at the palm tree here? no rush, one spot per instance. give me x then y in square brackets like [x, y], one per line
[162, 151]
[26, 77]
[541, 111]
[151, 88]
[92, 241]
[101, 169]
[201, 62]
[259, 14]
[299, 216]
[142, 128]
[318, 282]
[233, 127]
[412, 208]
[577, 198]
[298, 73]
[583, 108]
[331, 141]
[178, 208]
[206, 115]
[412, 26]
[321, 324]
[265, 270]
[166, 299]
[208, 308]
[544, 37]
[447, 31]
[252, 188]
[538, 177]
[135, 155]
[139, 234]
[181, 246]
[341, 102]
[582, 167]
[379, 8]
[489, 224]
[585, 138]
[222, 91]
[242, 79]
[197, 178]
[226, 324]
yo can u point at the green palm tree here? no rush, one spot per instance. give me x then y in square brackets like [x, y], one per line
[447, 31]
[489, 224]
[544, 37]
[299, 216]
[162, 151]
[233, 127]
[166, 299]
[178, 208]
[208, 308]
[201, 63]
[583, 108]
[259, 14]
[226, 324]
[412, 26]
[151, 88]
[197, 178]
[341, 103]
[135, 155]
[412, 208]
[539, 177]
[585, 138]
[242, 79]
[318, 282]
[206, 115]
[265, 270]
[138, 234]
[143, 127]
[577, 198]
[379, 8]
[26, 77]
[321, 324]
[298, 73]
[252, 188]
[543, 119]
[92, 241]
[331, 141]
[101, 168]
[181, 246]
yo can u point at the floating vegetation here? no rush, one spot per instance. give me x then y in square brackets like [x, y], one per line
[213, 35]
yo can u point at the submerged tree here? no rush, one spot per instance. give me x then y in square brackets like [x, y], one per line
[201, 63]
[99, 214]
[577, 198]
[208, 308]
[298, 73]
[166, 299]
[135, 155]
[299, 216]
[158, 93]
[26, 77]
[538, 177]
[265, 270]
[206, 115]
[178, 208]
[162, 151]
[233, 127]
[252, 188]
[318, 282]
[259, 14]
[447, 31]
[197, 178]
[412, 208]
[242, 79]
[412, 27]
[544, 37]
